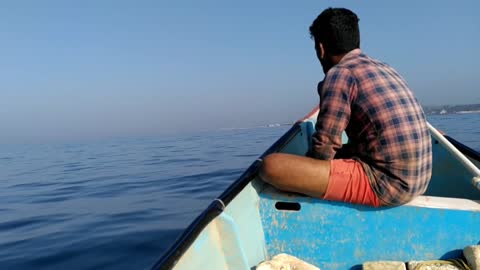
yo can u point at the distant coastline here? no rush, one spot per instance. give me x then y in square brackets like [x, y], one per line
[429, 110]
[452, 109]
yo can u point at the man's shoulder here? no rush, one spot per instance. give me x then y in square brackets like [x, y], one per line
[338, 71]
[350, 62]
[360, 60]
[364, 67]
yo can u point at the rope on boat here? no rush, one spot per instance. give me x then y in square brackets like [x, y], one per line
[459, 263]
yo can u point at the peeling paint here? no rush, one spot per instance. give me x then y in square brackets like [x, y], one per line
[333, 235]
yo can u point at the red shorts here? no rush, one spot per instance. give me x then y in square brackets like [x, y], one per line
[348, 182]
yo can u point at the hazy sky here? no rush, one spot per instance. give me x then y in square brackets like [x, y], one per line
[96, 69]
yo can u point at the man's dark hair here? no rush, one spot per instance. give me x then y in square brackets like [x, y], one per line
[337, 29]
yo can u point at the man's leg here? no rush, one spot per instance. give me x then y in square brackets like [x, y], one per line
[296, 173]
[348, 180]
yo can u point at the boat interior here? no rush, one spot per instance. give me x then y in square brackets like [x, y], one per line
[252, 221]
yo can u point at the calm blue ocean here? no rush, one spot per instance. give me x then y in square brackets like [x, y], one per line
[120, 204]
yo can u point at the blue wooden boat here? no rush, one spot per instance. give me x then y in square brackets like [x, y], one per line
[251, 221]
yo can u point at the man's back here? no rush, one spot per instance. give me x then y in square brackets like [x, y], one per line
[385, 124]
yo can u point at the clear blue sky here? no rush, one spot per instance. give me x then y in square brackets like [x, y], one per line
[96, 69]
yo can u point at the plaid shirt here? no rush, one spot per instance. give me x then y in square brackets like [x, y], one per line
[384, 122]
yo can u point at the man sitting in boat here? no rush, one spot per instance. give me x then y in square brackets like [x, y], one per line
[387, 160]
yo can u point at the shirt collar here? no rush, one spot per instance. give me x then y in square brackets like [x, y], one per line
[350, 55]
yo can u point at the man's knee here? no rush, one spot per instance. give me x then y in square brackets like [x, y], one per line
[270, 168]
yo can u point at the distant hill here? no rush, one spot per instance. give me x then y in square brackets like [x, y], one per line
[449, 109]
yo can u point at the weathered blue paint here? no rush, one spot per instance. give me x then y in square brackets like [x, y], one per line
[335, 235]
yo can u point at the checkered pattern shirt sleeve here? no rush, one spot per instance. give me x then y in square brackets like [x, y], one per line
[336, 94]
[384, 122]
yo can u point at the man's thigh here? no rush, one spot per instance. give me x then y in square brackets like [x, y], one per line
[296, 173]
[337, 180]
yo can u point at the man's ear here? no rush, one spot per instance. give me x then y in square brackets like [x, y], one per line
[322, 50]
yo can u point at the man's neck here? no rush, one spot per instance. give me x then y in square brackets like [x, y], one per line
[337, 58]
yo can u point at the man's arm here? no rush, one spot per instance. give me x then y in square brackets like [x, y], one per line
[336, 92]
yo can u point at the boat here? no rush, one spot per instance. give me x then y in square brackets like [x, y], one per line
[251, 221]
